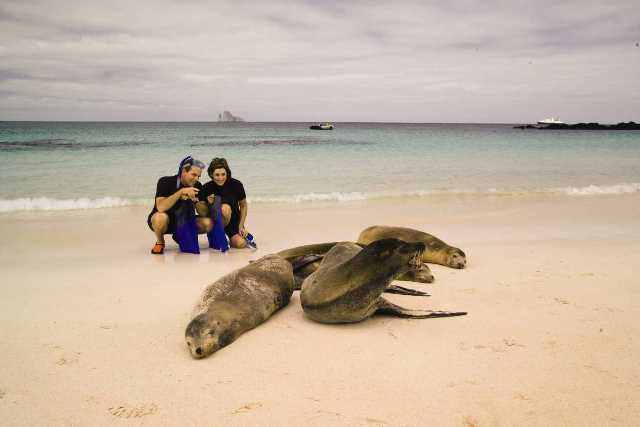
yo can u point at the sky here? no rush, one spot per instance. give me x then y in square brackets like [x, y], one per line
[372, 61]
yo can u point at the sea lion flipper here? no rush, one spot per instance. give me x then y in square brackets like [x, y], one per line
[393, 289]
[386, 307]
[303, 261]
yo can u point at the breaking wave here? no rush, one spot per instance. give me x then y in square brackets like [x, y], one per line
[314, 197]
[595, 190]
[51, 204]
[48, 204]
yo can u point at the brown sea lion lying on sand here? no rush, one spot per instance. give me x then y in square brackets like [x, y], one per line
[238, 302]
[348, 284]
[307, 258]
[437, 251]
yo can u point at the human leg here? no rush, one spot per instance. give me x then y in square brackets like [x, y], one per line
[226, 214]
[232, 229]
[237, 241]
[204, 225]
[159, 224]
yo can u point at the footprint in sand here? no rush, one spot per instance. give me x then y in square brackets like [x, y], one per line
[499, 348]
[2, 394]
[470, 422]
[247, 407]
[139, 411]
[68, 360]
[375, 421]
[511, 343]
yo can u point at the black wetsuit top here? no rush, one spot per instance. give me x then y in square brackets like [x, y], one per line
[167, 186]
[232, 193]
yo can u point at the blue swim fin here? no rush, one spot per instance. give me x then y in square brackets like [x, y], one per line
[250, 242]
[186, 227]
[217, 237]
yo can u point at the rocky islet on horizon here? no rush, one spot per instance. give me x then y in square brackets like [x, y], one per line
[226, 116]
[584, 126]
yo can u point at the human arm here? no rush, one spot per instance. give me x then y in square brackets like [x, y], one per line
[163, 204]
[244, 209]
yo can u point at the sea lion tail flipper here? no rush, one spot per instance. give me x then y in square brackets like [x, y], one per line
[386, 307]
[393, 289]
[303, 261]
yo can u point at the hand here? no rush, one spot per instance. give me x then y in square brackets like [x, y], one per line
[242, 231]
[189, 193]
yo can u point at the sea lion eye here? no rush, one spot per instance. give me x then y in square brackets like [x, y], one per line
[211, 332]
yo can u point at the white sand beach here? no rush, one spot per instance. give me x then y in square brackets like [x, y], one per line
[93, 325]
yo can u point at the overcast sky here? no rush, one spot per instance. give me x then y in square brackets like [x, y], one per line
[423, 61]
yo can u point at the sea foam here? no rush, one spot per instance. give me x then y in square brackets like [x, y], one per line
[594, 190]
[48, 204]
[313, 197]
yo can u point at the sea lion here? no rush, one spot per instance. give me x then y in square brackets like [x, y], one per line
[437, 251]
[307, 258]
[238, 302]
[348, 285]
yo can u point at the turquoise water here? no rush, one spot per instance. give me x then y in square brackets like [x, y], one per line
[64, 165]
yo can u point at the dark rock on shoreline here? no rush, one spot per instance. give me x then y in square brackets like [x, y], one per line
[585, 126]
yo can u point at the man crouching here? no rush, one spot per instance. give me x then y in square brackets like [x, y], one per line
[174, 192]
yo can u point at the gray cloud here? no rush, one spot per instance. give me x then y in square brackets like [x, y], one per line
[308, 60]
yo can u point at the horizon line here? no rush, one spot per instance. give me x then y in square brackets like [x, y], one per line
[273, 121]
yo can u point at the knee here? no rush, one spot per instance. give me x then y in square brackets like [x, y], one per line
[160, 221]
[205, 224]
[238, 242]
[226, 213]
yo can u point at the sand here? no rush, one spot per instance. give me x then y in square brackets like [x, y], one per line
[93, 325]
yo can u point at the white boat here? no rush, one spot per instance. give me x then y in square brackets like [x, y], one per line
[322, 126]
[551, 121]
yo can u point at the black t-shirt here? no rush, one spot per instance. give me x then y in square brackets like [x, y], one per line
[167, 186]
[232, 192]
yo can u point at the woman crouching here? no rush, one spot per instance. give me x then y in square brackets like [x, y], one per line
[234, 201]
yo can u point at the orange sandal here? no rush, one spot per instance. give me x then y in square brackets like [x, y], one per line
[158, 249]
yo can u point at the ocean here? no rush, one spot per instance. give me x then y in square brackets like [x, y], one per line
[82, 165]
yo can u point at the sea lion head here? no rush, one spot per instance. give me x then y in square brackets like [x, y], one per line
[395, 257]
[456, 258]
[207, 333]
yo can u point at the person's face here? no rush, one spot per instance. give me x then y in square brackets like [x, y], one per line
[219, 176]
[190, 177]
